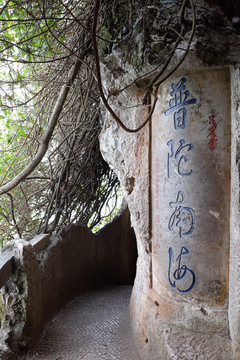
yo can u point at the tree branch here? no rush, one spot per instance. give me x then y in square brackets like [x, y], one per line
[48, 132]
[13, 215]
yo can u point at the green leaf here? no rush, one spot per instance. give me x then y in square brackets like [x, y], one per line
[23, 133]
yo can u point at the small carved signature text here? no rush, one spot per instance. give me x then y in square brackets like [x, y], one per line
[212, 132]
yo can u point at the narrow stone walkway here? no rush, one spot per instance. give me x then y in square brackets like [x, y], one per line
[94, 326]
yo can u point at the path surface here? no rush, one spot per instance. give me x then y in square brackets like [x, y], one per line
[94, 326]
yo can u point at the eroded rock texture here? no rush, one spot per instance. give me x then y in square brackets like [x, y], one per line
[201, 330]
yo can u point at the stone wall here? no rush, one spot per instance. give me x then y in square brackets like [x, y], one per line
[49, 272]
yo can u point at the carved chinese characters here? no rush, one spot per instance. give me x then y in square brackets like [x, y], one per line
[178, 103]
[191, 187]
[183, 217]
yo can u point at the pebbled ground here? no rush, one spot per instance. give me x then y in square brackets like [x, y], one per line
[94, 326]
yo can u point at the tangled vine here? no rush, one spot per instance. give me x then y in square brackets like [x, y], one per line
[52, 171]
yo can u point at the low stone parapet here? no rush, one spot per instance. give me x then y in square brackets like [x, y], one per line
[39, 276]
[6, 267]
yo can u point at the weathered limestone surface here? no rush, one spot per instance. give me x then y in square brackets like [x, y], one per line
[202, 320]
[168, 323]
[234, 286]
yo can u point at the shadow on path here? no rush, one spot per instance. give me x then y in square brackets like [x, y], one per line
[94, 326]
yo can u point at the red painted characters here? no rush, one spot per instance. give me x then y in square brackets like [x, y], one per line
[212, 132]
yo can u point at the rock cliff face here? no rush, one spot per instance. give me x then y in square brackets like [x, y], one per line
[169, 325]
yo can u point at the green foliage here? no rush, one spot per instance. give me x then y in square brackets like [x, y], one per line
[104, 221]
[103, 46]
[39, 43]
[109, 212]
[25, 44]
[25, 36]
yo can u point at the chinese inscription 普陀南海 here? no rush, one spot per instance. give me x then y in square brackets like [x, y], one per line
[180, 276]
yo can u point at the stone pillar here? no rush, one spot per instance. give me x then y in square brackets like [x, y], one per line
[191, 195]
[234, 278]
[185, 301]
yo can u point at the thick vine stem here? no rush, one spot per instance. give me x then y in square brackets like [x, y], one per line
[77, 183]
[13, 215]
[154, 82]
